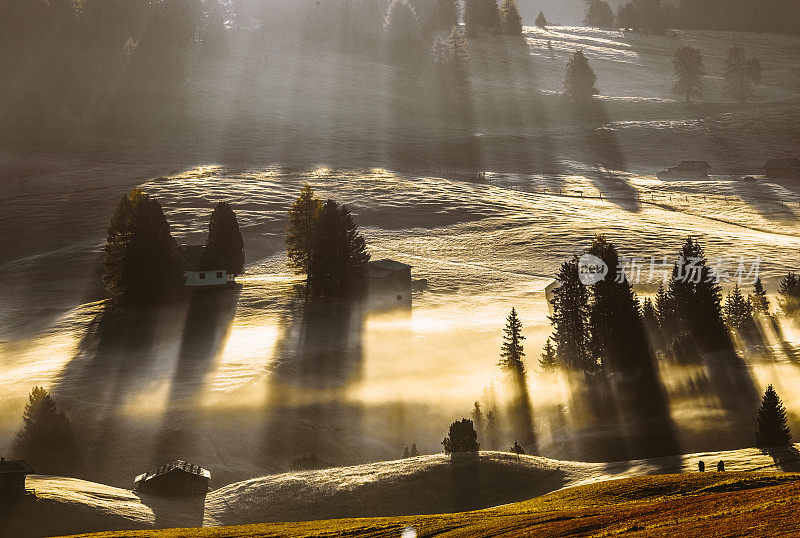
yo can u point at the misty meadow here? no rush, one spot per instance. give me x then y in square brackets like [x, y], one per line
[460, 267]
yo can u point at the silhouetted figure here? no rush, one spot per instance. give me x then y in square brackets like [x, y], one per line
[701, 466]
[721, 466]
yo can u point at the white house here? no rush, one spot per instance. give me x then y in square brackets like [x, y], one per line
[202, 266]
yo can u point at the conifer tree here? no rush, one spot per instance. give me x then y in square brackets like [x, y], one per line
[512, 351]
[338, 261]
[759, 299]
[579, 79]
[772, 429]
[618, 337]
[402, 31]
[650, 318]
[541, 21]
[462, 437]
[510, 19]
[789, 296]
[302, 216]
[225, 237]
[737, 79]
[414, 450]
[549, 359]
[738, 314]
[598, 14]
[492, 430]
[477, 417]
[139, 261]
[517, 449]
[491, 14]
[46, 439]
[406, 453]
[667, 311]
[451, 55]
[698, 298]
[688, 66]
[570, 319]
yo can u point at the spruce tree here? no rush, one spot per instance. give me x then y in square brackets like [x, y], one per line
[492, 430]
[402, 31]
[510, 19]
[477, 417]
[139, 261]
[618, 337]
[512, 351]
[738, 312]
[772, 429]
[549, 359]
[650, 318]
[225, 237]
[579, 79]
[789, 296]
[414, 451]
[302, 216]
[451, 55]
[570, 319]
[462, 437]
[46, 439]
[541, 21]
[698, 298]
[759, 299]
[688, 66]
[667, 312]
[598, 14]
[491, 14]
[338, 261]
[737, 80]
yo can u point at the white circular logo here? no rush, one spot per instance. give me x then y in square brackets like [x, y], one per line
[591, 269]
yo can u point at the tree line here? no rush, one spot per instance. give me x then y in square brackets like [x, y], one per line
[657, 16]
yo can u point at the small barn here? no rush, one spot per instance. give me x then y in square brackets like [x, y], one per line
[389, 275]
[202, 266]
[782, 168]
[176, 478]
[12, 476]
[686, 170]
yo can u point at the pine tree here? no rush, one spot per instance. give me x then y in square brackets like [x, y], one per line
[517, 449]
[510, 19]
[688, 66]
[225, 237]
[338, 261]
[139, 260]
[737, 81]
[414, 451]
[772, 429]
[618, 336]
[650, 318]
[477, 417]
[512, 351]
[492, 430]
[598, 14]
[549, 359]
[579, 79]
[541, 21]
[698, 298]
[738, 313]
[759, 299]
[406, 453]
[462, 437]
[491, 14]
[570, 319]
[789, 295]
[302, 216]
[667, 311]
[451, 55]
[46, 439]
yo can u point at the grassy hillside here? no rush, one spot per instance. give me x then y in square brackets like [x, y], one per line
[724, 504]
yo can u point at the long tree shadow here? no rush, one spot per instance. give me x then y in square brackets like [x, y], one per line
[318, 359]
[208, 321]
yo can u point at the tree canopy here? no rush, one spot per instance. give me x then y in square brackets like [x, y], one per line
[688, 66]
[46, 439]
[461, 437]
[772, 429]
[579, 79]
[224, 236]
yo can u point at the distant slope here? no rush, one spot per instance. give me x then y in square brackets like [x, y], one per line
[424, 485]
[722, 504]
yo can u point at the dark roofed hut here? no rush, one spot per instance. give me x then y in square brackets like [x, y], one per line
[788, 168]
[686, 170]
[177, 478]
[12, 477]
[202, 266]
[389, 284]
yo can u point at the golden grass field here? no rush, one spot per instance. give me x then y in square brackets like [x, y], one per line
[692, 504]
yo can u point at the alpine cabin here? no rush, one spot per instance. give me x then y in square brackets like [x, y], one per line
[12, 477]
[174, 479]
[686, 170]
[202, 266]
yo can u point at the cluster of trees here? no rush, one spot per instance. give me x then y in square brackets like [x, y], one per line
[605, 326]
[95, 56]
[413, 453]
[140, 264]
[741, 73]
[323, 243]
[46, 439]
[487, 426]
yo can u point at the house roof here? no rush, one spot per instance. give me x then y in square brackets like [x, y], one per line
[15, 467]
[693, 165]
[178, 465]
[787, 162]
[200, 258]
[386, 266]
